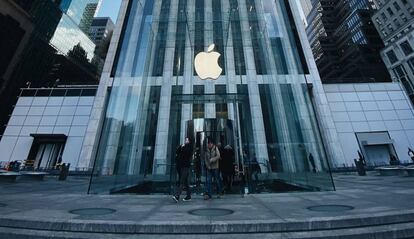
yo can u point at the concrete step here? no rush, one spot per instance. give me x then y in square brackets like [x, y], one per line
[400, 231]
[343, 224]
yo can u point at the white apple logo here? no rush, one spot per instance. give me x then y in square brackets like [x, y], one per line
[206, 64]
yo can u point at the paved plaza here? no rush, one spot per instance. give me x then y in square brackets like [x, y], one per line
[362, 207]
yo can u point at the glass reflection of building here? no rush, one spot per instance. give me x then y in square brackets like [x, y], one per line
[56, 51]
[80, 12]
[261, 105]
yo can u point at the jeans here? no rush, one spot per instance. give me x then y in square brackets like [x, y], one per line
[213, 173]
[184, 176]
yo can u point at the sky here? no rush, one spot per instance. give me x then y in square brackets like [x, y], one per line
[110, 8]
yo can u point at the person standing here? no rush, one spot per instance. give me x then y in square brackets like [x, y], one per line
[411, 154]
[312, 162]
[211, 160]
[227, 167]
[184, 163]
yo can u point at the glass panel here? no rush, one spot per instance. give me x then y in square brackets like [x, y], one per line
[260, 106]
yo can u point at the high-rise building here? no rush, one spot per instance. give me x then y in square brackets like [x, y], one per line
[44, 47]
[344, 41]
[395, 23]
[101, 33]
[101, 29]
[306, 6]
[81, 12]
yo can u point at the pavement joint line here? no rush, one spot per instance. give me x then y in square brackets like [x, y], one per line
[150, 212]
[258, 200]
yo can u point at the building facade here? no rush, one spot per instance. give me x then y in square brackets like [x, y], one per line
[101, 29]
[344, 41]
[395, 23]
[47, 127]
[262, 105]
[46, 47]
[375, 118]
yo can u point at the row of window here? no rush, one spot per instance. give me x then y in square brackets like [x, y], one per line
[58, 92]
[406, 49]
[391, 12]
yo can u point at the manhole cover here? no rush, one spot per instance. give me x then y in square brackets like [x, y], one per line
[211, 212]
[92, 211]
[3, 205]
[330, 208]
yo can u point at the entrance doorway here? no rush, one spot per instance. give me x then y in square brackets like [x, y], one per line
[46, 151]
[222, 133]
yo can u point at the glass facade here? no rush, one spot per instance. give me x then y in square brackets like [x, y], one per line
[68, 35]
[53, 50]
[81, 12]
[260, 106]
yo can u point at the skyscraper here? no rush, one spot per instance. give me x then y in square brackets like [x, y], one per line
[46, 48]
[394, 21]
[344, 41]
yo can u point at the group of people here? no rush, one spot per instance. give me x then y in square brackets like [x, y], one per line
[393, 159]
[218, 164]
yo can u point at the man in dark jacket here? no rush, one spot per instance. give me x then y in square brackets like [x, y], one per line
[227, 166]
[183, 165]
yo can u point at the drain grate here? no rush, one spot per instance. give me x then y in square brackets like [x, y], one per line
[330, 208]
[92, 211]
[211, 212]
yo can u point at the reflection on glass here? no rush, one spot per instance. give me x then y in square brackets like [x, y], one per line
[260, 107]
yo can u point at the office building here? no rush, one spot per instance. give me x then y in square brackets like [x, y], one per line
[45, 47]
[101, 29]
[395, 23]
[344, 41]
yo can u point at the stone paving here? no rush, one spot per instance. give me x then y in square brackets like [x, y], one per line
[27, 205]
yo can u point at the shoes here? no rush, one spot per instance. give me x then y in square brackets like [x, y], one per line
[175, 198]
[186, 199]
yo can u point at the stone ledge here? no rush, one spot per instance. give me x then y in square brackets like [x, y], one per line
[212, 227]
[403, 230]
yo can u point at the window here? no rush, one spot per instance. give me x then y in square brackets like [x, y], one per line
[403, 17]
[396, 22]
[392, 57]
[389, 10]
[406, 48]
[396, 6]
[401, 73]
[411, 64]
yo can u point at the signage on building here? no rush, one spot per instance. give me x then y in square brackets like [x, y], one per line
[206, 64]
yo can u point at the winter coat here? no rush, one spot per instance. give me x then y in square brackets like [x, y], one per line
[184, 156]
[212, 157]
[227, 160]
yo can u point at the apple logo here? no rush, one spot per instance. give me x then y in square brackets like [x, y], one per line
[206, 64]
